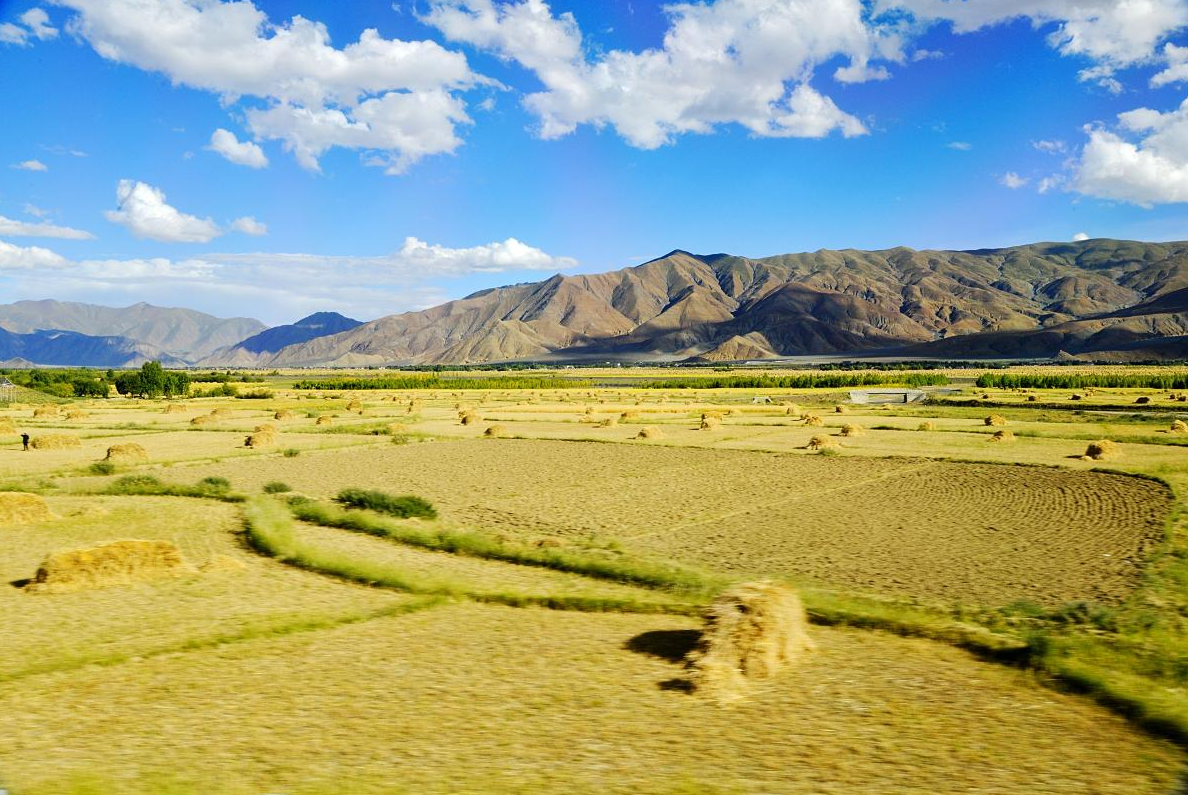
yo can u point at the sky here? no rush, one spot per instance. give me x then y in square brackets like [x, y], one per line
[273, 159]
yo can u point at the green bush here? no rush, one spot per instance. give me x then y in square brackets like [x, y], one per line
[276, 487]
[404, 507]
[214, 483]
[136, 482]
[291, 452]
[103, 468]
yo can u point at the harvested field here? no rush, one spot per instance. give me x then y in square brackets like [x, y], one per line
[974, 533]
[461, 699]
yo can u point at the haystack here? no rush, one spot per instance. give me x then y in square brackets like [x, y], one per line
[496, 432]
[204, 419]
[1099, 450]
[995, 421]
[130, 451]
[609, 422]
[355, 405]
[1142, 400]
[927, 425]
[19, 507]
[283, 414]
[752, 631]
[117, 563]
[1178, 426]
[266, 427]
[220, 412]
[1032, 398]
[324, 420]
[852, 430]
[793, 410]
[821, 443]
[629, 414]
[649, 432]
[46, 410]
[1003, 436]
[6, 425]
[839, 409]
[76, 414]
[813, 421]
[264, 436]
[469, 418]
[712, 414]
[709, 423]
[55, 441]
[175, 408]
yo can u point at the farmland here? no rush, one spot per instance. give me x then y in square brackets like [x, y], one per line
[966, 593]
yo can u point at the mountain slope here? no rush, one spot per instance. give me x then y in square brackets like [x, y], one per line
[252, 350]
[184, 333]
[825, 302]
[69, 348]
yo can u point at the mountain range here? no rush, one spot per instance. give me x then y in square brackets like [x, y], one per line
[1097, 299]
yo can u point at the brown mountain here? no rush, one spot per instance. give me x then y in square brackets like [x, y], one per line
[1036, 300]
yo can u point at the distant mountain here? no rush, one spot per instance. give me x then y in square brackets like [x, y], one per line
[181, 333]
[71, 349]
[262, 346]
[1121, 297]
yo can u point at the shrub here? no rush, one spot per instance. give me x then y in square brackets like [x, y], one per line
[291, 452]
[134, 482]
[103, 468]
[276, 487]
[214, 483]
[405, 506]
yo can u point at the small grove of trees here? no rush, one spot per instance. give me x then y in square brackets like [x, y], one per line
[1166, 380]
[151, 381]
[67, 382]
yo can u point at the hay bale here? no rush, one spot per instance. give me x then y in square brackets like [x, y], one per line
[76, 414]
[852, 430]
[649, 432]
[55, 441]
[6, 425]
[19, 507]
[264, 436]
[1142, 400]
[839, 409]
[609, 422]
[995, 421]
[283, 414]
[751, 632]
[709, 423]
[496, 432]
[130, 451]
[793, 410]
[46, 410]
[117, 563]
[222, 563]
[220, 412]
[1032, 398]
[813, 421]
[1099, 450]
[1178, 426]
[355, 405]
[175, 408]
[204, 419]
[927, 425]
[324, 420]
[629, 414]
[1003, 436]
[267, 427]
[1075, 396]
[469, 418]
[821, 443]
[712, 414]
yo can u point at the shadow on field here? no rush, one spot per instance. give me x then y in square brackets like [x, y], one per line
[667, 644]
[20, 583]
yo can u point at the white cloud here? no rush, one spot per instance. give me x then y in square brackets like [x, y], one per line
[1150, 169]
[249, 226]
[142, 209]
[961, 146]
[1080, 236]
[1050, 147]
[35, 23]
[1051, 182]
[1176, 70]
[744, 62]
[243, 153]
[13, 34]
[1012, 180]
[13, 228]
[35, 211]
[31, 165]
[925, 55]
[388, 94]
[28, 257]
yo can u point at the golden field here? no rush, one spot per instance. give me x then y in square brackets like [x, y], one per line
[528, 638]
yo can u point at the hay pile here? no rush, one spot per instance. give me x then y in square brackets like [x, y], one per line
[283, 414]
[76, 414]
[324, 420]
[117, 563]
[712, 414]
[55, 441]
[220, 413]
[355, 405]
[46, 410]
[609, 422]
[469, 418]
[821, 443]
[1178, 426]
[496, 432]
[6, 425]
[995, 421]
[752, 631]
[1099, 450]
[852, 430]
[1032, 398]
[262, 436]
[813, 421]
[709, 423]
[629, 414]
[1142, 400]
[793, 410]
[927, 425]
[19, 507]
[1075, 396]
[175, 408]
[839, 409]
[204, 419]
[1003, 436]
[649, 432]
[126, 452]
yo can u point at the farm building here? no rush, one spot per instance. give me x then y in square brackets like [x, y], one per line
[871, 396]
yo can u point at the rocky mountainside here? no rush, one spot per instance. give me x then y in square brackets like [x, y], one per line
[71, 349]
[260, 347]
[181, 333]
[1037, 300]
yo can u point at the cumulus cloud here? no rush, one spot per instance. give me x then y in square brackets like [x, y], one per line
[243, 153]
[35, 24]
[1080, 236]
[1050, 147]
[1145, 161]
[277, 285]
[398, 97]
[1012, 180]
[249, 226]
[21, 229]
[142, 209]
[31, 165]
[745, 62]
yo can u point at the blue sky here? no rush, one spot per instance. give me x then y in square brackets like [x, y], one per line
[471, 143]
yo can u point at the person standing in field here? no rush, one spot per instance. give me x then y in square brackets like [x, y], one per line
[25, 440]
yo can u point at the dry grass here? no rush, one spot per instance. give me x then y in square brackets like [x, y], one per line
[1002, 436]
[128, 452]
[496, 432]
[76, 414]
[204, 419]
[46, 410]
[325, 419]
[995, 421]
[609, 422]
[1101, 450]
[55, 441]
[174, 408]
[469, 417]
[6, 426]
[115, 563]
[821, 442]
[752, 631]
[1178, 426]
[283, 414]
[18, 507]
[927, 425]
[649, 432]
[852, 430]
[709, 423]
[813, 421]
